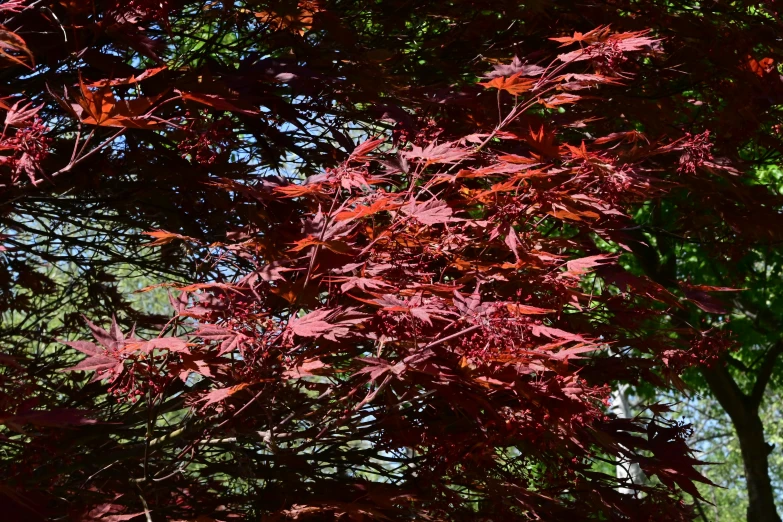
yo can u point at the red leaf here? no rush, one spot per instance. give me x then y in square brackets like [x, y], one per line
[312, 324]
[162, 237]
[360, 211]
[113, 340]
[100, 363]
[85, 347]
[100, 107]
[192, 364]
[19, 115]
[700, 296]
[595, 35]
[516, 67]
[221, 394]
[361, 150]
[520, 309]
[514, 84]
[579, 267]
[430, 212]
[362, 283]
[443, 153]
[306, 369]
[148, 73]
[217, 102]
[560, 99]
[173, 344]
[554, 333]
[14, 49]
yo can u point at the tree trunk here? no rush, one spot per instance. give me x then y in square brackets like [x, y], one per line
[626, 470]
[755, 450]
[744, 413]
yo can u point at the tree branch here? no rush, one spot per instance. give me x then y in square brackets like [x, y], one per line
[765, 373]
[726, 390]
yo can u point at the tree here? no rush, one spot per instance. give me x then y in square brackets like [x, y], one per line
[714, 438]
[199, 125]
[723, 255]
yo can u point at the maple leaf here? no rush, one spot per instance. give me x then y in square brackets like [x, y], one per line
[659, 409]
[14, 49]
[582, 80]
[229, 339]
[521, 309]
[333, 509]
[378, 205]
[13, 6]
[363, 283]
[308, 368]
[415, 305]
[232, 343]
[634, 41]
[516, 165]
[180, 303]
[162, 237]
[297, 18]
[191, 364]
[544, 142]
[360, 152]
[377, 367]
[113, 339]
[122, 518]
[573, 352]
[560, 99]
[547, 331]
[109, 512]
[603, 43]
[221, 394]
[315, 325]
[131, 80]
[516, 67]
[98, 360]
[99, 106]
[19, 115]
[562, 211]
[433, 153]
[513, 84]
[595, 35]
[470, 304]
[629, 137]
[312, 324]
[172, 344]
[293, 190]
[209, 286]
[761, 67]
[218, 102]
[516, 159]
[430, 212]
[271, 272]
[338, 247]
[512, 241]
[700, 296]
[579, 267]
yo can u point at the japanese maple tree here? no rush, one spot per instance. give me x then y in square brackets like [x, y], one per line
[394, 285]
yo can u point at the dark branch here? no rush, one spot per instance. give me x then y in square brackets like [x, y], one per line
[765, 373]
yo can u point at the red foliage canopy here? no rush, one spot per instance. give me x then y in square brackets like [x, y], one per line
[424, 325]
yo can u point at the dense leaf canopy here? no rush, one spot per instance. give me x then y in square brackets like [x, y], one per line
[409, 247]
